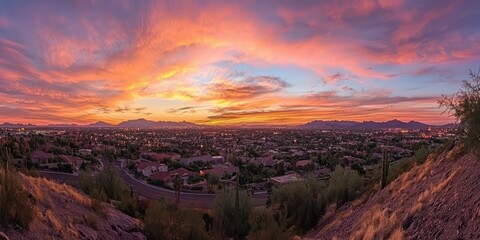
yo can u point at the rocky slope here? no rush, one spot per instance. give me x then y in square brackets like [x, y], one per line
[439, 199]
[62, 212]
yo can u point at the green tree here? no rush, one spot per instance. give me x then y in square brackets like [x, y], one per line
[172, 222]
[177, 185]
[265, 225]
[300, 202]
[226, 219]
[344, 185]
[465, 106]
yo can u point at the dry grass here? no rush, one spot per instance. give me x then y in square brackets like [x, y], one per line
[376, 224]
[397, 234]
[56, 224]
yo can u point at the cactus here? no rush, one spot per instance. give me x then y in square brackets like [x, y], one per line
[385, 166]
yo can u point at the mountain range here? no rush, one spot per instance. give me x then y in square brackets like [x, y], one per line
[317, 124]
[137, 123]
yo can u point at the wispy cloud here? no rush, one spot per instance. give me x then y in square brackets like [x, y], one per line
[96, 60]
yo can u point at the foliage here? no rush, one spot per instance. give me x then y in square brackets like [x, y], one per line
[128, 205]
[111, 183]
[213, 179]
[465, 106]
[264, 225]
[343, 186]
[15, 205]
[226, 215]
[177, 185]
[405, 164]
[171, 222]
[65, 167]
[300, 202]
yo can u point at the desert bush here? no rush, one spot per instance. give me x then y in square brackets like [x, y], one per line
[343, 186]
[111, 183]
[465, 106]
[128, 205]
[405, 164]
[228, 221]
[97, 197]
[15, 206]
[300, 202]
[265, 224]
[172, 222]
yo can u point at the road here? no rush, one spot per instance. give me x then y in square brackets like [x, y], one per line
[195, 200]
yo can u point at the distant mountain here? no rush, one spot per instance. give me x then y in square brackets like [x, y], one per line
[143, 123]
[319, 124]
[15, 125]
[138, 123]
[100, 124]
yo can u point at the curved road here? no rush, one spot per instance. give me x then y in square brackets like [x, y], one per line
[195, 200]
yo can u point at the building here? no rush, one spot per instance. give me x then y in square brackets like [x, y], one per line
[305, 164]
[149, 168]
[161, 157]
[203, 159]
[285, 179]
[167, 177]
[76, 162]
[43, 159]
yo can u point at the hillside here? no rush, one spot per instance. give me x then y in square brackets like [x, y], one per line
[439, 199]
[62, 212]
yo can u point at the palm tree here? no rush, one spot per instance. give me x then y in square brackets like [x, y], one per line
[177, 184]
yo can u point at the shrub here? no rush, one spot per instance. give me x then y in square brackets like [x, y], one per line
[300, 202]
[230, 221]
[213, 179]
[264, 225]
[128, 205]
[343, 186]
[15, 206]
[465, 106]
[172, 222]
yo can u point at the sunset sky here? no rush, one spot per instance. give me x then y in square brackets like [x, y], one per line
[233, 62]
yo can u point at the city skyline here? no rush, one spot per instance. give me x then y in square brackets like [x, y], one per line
[232, 63]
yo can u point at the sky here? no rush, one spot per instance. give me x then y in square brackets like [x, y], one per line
[233, 62]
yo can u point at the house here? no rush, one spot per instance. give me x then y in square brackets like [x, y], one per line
[285, 179]
[351, 159]
[161, 157]
[167, 177]
[149, 168]
[203, 159]
[267, 161]
[304, 164]
[43, 159]
[221, 170]
[74, 161]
